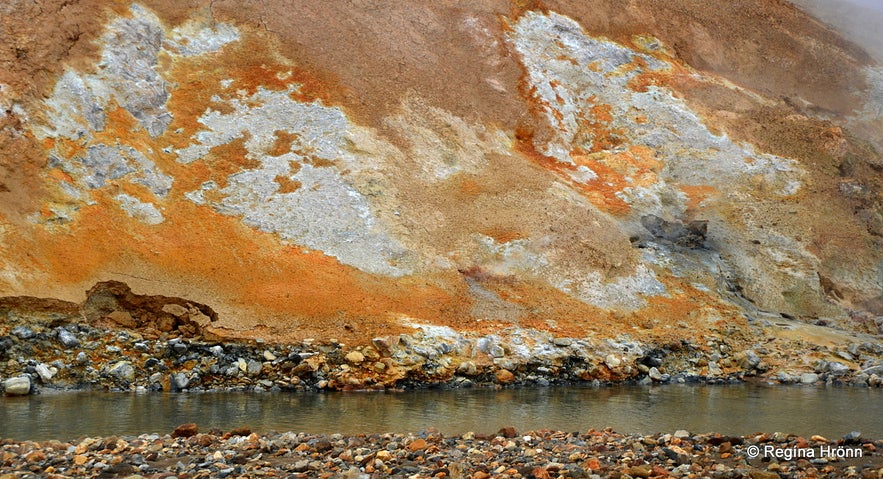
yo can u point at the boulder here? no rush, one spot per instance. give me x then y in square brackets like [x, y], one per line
[18, 386]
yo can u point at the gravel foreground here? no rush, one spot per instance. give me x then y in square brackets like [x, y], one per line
[189, 453]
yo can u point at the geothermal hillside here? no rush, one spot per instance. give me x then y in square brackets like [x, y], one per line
[291, 170]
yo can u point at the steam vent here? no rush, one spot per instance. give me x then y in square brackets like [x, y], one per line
[505, 182]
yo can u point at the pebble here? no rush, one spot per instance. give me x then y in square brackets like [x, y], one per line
[809, 378]
[504, 376]
[46, 372]
[654, 374]
[18, 386]
[186, 430]
[23, 332]
[67, 338]
[253, 368]
[355, 357]
[837, 368]
[612, 361]
[187, 452]
[179, 381]
[122, 370]
[748, 359]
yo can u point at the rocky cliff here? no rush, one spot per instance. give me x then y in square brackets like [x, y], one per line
[349, 170]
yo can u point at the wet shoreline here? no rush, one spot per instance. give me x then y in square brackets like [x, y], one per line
[82, 357]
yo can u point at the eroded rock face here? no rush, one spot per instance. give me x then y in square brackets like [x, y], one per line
[113, 304]
[292, 175]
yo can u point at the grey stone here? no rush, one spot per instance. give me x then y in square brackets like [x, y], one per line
[682, 434]
[82, 358]
[845, 355]
[860, 380]
[496, 351]
[562, 342]
[179, 348]
[122, 370]
[217, 351]
[748, 359]
[23, 332]
[18, 386]
[67, 338]
[612, 361]
[654, 374]
[809, 378]
[179, 381]
[46, 372]
[836, 368]
[853, 437]
[253, 367]
[490, 346]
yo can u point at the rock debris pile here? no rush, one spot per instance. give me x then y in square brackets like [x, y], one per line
[80, 356]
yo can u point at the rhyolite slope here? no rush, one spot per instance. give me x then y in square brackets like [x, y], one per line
[351, 170]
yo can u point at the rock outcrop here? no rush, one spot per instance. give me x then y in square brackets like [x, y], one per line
[352, 170]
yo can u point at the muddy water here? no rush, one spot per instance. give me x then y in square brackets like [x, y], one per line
[742, 409]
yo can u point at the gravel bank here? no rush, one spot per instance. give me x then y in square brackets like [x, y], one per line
[79, 356]
[190, 453]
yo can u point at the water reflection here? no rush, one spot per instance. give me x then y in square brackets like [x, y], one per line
[727, 409]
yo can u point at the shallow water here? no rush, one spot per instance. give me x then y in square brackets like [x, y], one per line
[740, 409]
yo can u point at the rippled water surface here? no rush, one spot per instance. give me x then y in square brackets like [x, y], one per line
[741, 409]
